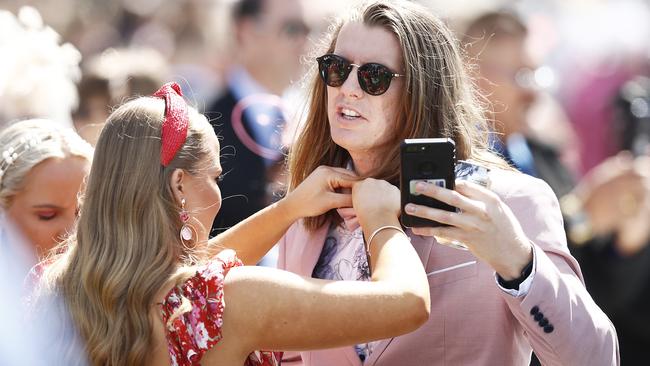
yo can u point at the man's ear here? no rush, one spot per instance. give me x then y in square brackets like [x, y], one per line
[176, 183]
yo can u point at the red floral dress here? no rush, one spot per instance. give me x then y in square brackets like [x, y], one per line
[198, 328]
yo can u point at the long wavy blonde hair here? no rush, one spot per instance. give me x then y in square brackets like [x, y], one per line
[127, 244]
[438, 99]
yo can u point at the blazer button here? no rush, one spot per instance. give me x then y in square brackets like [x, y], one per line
[539, 316]
[549, 328]
[534, 310]
[543, 322]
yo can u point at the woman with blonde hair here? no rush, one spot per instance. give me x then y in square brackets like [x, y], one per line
[42, 168]
[391, 71]
[145, 286]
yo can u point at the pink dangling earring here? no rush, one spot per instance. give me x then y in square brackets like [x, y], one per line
[187, 231]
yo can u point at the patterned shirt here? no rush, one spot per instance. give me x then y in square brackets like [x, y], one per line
[344, 258]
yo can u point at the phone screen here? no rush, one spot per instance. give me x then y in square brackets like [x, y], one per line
[472, 172]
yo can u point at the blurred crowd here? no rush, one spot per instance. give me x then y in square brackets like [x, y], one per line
[567, 84]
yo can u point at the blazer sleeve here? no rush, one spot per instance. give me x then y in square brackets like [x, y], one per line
[560, 319]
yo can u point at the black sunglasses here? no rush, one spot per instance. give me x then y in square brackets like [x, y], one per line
[374, 78]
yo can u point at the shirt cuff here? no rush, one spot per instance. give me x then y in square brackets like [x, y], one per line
[524, 287]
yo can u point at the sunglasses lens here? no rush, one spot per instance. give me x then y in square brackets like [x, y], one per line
[374, 79]
[333, 70]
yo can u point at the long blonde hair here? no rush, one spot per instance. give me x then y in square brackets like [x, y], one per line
[126, 246]
[438, 99]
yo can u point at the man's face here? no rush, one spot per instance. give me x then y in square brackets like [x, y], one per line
[275, 40]
[505, 79]
[361, 123]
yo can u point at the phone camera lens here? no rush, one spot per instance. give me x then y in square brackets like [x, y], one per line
[427, 168]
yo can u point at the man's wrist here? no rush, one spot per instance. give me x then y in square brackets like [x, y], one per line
[518, 259]
[513, 284]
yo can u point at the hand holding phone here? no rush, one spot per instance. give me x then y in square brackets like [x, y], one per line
[429, 160]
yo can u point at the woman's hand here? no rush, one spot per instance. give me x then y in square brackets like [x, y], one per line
[254, 236]
[633, 232]
[376, 202]
[485, 224]
[614, 191]
[320, 192]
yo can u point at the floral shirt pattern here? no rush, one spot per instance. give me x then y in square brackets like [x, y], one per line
[193, 315]
[344, 258]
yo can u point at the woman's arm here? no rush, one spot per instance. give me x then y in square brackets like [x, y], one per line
[278, 310]
[255, 236]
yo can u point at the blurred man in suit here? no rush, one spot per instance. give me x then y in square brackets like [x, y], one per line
[270, 37]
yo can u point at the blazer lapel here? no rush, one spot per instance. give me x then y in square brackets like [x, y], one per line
[377, 351]
[312, 245]
[422, 245]
[352, 356]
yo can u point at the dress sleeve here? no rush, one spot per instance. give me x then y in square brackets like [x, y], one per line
[193, 311]
[208, 304]
[213, 277]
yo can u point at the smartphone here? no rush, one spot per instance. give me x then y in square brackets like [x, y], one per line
[429, 160]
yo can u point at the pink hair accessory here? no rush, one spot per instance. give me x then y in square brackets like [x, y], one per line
[174, 127]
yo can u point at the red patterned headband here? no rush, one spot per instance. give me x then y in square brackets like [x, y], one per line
[174, 127]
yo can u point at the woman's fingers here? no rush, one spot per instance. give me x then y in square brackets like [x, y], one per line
[342, 182]
[345, 172]
[339, 177]
[339, 200]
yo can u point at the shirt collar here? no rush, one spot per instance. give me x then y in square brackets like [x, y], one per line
[242, 84]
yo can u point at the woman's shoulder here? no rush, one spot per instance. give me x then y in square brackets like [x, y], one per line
[206, 276]
[219, 265]
[192, 311]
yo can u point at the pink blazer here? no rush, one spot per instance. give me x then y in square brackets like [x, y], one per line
[472, 321]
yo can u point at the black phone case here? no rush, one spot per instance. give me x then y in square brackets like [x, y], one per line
[432, 160]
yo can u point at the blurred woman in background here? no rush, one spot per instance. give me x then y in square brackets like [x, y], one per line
[42, 168]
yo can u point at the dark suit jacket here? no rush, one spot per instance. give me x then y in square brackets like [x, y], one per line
[621, 286]
[550, 168]
[243, 187]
